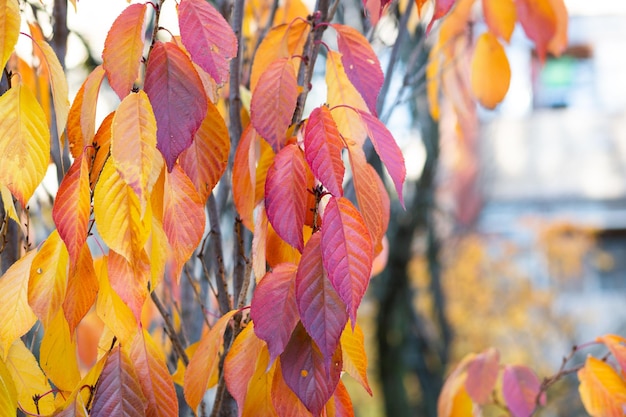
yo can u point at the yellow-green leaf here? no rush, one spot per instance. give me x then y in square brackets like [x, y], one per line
[491, 72]
[58, 354]
[601, 389]
[48, 278]
[24, 142]
[133, 143]
[9, 29]
[16, 316]
[29, 380]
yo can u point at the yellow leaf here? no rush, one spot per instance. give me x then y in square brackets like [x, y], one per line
[203, 365]
[9, 29]
[58, 354]
[433, 82]
[454, 401]
[491, 73]
[81, 396]
[354, 357]
[159, 252]
[8, 393]
[116, 315]
[29, 380]
[601, 389]
[58, 83]
[500, 16]
[258, 402]
[7, 201]
[48, 279]
[133, 143]
[340, 91]
[24, 142]
[16, 316]
[117, 212]
[179, 375]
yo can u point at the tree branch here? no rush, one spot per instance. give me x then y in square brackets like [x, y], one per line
[215, 247]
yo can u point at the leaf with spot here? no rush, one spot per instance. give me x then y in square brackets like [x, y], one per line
[273, 308]
[306, 372]
[208, 37]
[24, 142]
[48, 279]
[322, 312]
[322, 149]
[520, 388]
[347, 252]
[123, 49]
[201, 373]
[490, 71]
[360, 64]
[178, 100]
[274, 101]
[205, 160]
[118, 392]
[16, 317]
[153, 376]
[286, 195]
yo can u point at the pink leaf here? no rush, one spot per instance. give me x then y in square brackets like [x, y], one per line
[177, 97]
[286, 195]
[208, 37]
[322, 148]
[322, 312]
[360, 63]
[482, 375]
[346, 252]
[520, 387]
[274, 101]
[388, 150]
[273, 309]
[442, 7]
[305, 372]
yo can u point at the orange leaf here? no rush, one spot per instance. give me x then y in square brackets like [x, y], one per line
[48, 279]
[82, 288]
[102, 145]
[24, 142]
[616, 346]
[16, 317]
[117, 212]
[602, 391]
[58, 354]
[285, 401]
[265, 160]
[539, 22]
[205, 160]
[72, 206]
[482, 375]
[9, 29]
[244, 176]
[133, 143]
[204, 362]
[259, 244]
[491, 73]
[454, 400]
[259, 398]
[118, 389]
[274, 101]
[558, 43]
[154, 377]
[278, 251]
[81, 122]
[123, 49]
[182, 201]
[354, 356]
[500, 16]
[129, 279]
[340, 404]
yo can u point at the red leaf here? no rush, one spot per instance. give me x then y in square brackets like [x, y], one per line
[442, 7]
[82, 289]
[520, 387]
[274, 101]
[205, 160]
[72, 205]
[539, 22]
[322, 148]
[388, 150]
[244, 176]
[322, 312]
[118, 392]
[273, 309]
[123, 48]
[305, 371]
[286, 195]
[482, 375]
[371, 195]
[208, 37]
[130, 279]
[360, 63]
[181, 201]
[346, 252]
[177, 97]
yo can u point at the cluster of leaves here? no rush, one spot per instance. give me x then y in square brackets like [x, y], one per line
[142, 178]
[480, 380]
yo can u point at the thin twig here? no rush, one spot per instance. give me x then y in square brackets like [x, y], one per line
[169, 328]
[223, 298]
[197, 294]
